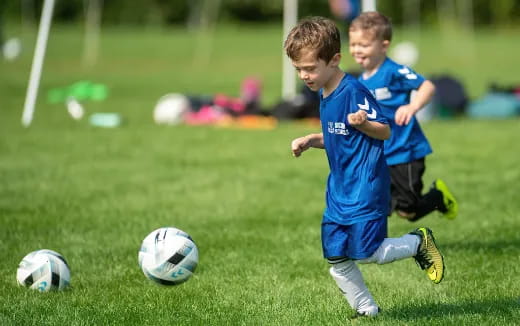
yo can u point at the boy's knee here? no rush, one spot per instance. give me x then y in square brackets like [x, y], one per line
[340, 269]
[406, 215]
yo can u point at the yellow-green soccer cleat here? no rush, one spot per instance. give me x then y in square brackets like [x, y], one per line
[450, 203]
[428, 256]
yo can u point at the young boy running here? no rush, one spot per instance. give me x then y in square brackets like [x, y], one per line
[354, 224]
[392, 84]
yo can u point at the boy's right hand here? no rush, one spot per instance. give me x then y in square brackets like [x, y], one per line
[404, 114]
[358, 118]
[299, 145]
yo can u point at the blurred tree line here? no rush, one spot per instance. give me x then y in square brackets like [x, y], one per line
[192, 12]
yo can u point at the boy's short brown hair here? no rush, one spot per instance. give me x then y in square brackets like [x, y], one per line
[315, 33]
[375, 22]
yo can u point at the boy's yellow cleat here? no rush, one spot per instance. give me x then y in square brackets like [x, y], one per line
[428, 256]
[450, 203]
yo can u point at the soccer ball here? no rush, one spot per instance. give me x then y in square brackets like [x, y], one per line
[405, 53]
[171, 109]
[11, 49]
[168, 256]
[43, 270]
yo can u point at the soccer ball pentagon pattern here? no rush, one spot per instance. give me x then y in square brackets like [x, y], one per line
[43, 270]
[168, 256]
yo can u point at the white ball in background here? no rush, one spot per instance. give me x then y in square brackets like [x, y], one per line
[75, 108]
[168, 256]
[405, 53]
[171, 109]
[12, 49]
[43, 270]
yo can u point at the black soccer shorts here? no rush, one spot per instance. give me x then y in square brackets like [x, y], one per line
[406, 185]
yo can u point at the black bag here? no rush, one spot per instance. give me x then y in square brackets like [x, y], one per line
[450, 95]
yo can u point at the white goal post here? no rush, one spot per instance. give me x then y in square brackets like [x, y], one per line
[37, 64]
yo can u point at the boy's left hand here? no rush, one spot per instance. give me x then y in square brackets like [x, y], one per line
[404, 115]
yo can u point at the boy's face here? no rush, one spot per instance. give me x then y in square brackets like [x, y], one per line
[314, 72]
[367, 50]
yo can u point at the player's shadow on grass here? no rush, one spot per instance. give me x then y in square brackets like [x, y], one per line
[503, 307]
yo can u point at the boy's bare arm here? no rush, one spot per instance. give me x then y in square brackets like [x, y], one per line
[424, 94]
[372, 129]
[300, 145]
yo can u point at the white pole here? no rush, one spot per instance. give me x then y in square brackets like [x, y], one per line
[290, 17]
[37, 64]
[368, 5]
[207, 24]
[92, 31]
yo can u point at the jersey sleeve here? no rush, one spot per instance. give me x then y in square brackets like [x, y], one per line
[407, 79]
[363, 100]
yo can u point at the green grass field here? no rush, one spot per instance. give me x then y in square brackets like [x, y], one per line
[253, 210]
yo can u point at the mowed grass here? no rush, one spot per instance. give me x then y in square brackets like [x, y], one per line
[253, 210]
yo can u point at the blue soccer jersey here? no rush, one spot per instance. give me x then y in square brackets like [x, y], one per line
[392, 85]
[358, 186]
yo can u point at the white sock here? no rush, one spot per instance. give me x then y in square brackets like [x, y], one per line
[350, 281]
[393, 249]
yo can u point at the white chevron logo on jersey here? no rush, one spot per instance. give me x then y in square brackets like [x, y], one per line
[408, 74]
[366, 107]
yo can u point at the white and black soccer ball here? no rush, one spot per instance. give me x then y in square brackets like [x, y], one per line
[171, 109]
[44, 270]
[168, 256]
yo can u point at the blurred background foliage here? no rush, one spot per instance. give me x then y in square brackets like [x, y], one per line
[166, 12]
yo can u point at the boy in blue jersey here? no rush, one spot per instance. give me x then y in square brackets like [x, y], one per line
[354, 224]
[392, 85]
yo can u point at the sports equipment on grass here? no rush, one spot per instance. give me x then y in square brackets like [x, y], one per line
[428, 256]
[405, 53]
[168, 256]
[171, 109]
[43, 270]
[12, 49]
